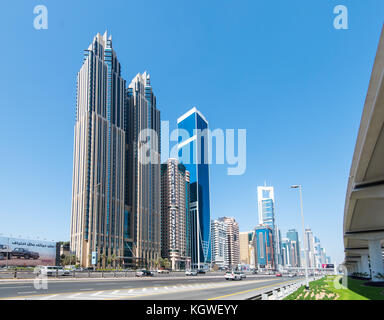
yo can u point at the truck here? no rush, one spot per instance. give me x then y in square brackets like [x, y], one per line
[24, 253]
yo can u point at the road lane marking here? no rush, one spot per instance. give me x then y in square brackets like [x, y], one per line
[135, 294]
[116, 292]
[246, 291]
[23, 292]
[88, 289]
[97, 293]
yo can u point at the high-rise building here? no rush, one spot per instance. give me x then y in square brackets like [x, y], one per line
[265, 254]
[310, 247]
[248, 249]
[233, 244]
[175, 215]
[193, 150]
[317, 247]
[219, 243]
[293, 235]
[143, 172]
[98, 190]
[266, 210]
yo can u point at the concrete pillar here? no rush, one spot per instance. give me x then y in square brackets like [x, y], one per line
[376, 258]
[364, 264]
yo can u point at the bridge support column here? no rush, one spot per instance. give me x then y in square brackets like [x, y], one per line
[376, 258]
[364, 264]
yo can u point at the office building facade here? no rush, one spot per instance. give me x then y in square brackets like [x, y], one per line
[97, 213]
[193, 149]
[143, 172]
[233, 241]
[219, 243]
[293, 235]
[265, 253]
[175, 215]
[248, 249]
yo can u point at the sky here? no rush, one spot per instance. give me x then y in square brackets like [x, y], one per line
[278, 69]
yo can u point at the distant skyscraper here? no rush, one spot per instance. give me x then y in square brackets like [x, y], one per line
[233, 244]
[142, 175]
[219, 243]
[175, 215]
[293, 235]
[310, 247]
[265, 254]
[99, 155]
[192, 153]
[248, 250]
[266, 209]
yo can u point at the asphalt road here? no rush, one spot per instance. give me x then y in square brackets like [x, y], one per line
[164, 288]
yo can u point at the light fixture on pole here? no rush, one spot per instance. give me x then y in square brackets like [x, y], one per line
[305, 245]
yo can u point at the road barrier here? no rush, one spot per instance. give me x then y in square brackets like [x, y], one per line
[282, 291]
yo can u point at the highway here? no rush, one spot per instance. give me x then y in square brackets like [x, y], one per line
[162, 288]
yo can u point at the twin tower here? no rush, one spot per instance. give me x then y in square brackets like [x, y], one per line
[117, 200]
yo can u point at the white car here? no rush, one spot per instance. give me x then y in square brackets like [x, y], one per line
[230, 275]
[191, 273]
[51, 271]
[242, 274]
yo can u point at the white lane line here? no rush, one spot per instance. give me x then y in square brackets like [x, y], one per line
[88, 289]
[144, 289]
[97, 293]
[49, 297]
[129, 291]
[156, 288]
[74, 295]
[24, 292]
[116, 292]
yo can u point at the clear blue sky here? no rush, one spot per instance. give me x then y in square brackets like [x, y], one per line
[276, 68]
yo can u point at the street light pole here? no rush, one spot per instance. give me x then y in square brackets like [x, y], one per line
[303, 226]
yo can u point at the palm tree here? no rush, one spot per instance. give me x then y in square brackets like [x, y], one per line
[114, 260]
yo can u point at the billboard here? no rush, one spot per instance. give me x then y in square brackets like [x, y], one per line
[25, 253]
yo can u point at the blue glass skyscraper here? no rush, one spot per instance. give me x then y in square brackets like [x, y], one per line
[193, 151]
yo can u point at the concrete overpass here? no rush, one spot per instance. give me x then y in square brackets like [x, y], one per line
[364, 206]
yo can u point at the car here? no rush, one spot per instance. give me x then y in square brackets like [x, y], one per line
[191, 273]
[242, 274]
[254, 271]
[144, 273]
[201, 271]
[278, 274]
[162, 271]
[292, 275]
[24, 253]
[230, 275]
[51, 271]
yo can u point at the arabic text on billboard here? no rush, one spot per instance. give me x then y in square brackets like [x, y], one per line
[22, 252]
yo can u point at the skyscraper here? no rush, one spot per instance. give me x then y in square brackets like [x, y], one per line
[310, 247]
[175, 215]
[248, 250]
[265, 254]
[233, 241]
[97, 217]
[293, 235]
[143, 171]
[219, 243]
[266, 209]
[193, 148]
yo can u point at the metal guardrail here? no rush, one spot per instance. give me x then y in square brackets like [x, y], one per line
[282, 291]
